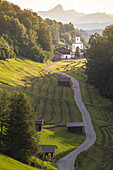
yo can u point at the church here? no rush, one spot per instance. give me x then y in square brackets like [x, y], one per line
[77, 43]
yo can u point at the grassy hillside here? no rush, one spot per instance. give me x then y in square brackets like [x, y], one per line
[53, 103]
[65, 141]
[7, 163]
[100, 155]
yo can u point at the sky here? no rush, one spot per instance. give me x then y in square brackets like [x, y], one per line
[83, 6]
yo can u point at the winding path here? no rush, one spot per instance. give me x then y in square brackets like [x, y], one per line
[67, 162]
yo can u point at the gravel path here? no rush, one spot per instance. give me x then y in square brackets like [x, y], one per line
[67, 162]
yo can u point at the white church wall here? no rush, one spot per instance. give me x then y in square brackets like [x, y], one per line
[64, 56]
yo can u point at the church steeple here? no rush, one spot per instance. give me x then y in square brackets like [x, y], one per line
[77, 38]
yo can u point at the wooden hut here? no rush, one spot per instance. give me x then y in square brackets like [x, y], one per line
[39, 125]
[63, 81]
[48, 149]
[75, 127]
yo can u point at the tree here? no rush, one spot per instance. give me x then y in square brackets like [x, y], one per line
[21, 139]
[24, 32]
[99, 65]
[67, 37]
[54, 29]
[4, 115]
[77, 52]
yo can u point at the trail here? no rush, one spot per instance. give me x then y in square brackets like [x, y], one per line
[67, 162]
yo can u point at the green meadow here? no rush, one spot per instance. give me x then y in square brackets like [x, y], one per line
[100, 155]
[52, 103]
[7, 163]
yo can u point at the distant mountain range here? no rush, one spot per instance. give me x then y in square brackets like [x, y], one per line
[80, 20]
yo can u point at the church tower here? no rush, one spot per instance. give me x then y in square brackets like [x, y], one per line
[77, 43]
[77, 38]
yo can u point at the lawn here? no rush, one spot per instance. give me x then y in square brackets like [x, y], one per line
[100, 155]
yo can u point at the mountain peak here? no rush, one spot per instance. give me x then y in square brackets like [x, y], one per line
[57, 8]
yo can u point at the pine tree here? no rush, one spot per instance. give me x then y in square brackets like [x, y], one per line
[22, 141]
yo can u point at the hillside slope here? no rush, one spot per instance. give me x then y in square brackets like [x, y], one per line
[52, 103]
[7, 163]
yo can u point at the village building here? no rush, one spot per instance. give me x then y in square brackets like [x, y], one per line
[77, 43]
[63, 81]
[61, 53]
[49, 149]
[39, 125]
[75, 127]
[60, 45]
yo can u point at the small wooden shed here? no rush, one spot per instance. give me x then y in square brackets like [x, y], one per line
[63, 81]
[49, 149]
[39, 125]
[75, 127]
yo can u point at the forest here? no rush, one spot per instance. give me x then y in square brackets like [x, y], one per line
[63, 33]
[24, 33]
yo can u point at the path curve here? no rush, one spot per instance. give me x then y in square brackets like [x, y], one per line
[67, 162]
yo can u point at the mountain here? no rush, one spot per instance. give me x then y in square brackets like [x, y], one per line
[59, 14]
[80, 20]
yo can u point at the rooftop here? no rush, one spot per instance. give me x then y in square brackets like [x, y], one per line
[39, 122]
[77, 35]
[74, 124]
[63, 79]
[48, 148]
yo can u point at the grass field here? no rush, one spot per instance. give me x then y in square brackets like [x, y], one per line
[100, 155]
[7, 163]
[53, 103]
[65, 141]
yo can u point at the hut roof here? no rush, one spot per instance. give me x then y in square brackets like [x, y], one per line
[74, 124]
[39, 122]
[66, 79]
[48, 148]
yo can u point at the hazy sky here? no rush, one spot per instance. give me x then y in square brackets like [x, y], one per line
[85, 6]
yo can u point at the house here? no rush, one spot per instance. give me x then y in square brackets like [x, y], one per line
[39, 125]
[49, 149]
[61, 53]
[77, 43]
[75, 127]
[59, 45]
[63, 81]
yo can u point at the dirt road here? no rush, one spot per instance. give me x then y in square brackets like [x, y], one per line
[67, 162]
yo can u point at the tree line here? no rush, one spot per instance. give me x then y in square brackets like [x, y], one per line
[23, 32]
[99, 67]
[63, 33]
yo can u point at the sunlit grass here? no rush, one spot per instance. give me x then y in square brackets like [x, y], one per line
[65, 141]
[7, 163]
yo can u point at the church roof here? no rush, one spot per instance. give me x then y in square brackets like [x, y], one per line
[77, 35]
